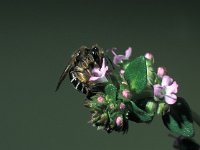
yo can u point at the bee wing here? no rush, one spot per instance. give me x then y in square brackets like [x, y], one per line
[66, 70]
[68, 67]
[63, 76]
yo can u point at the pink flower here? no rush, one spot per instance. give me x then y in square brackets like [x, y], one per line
[100, 99]
[119, 58]
[149, 56]
[126, 93]
[99, 74]
[119, 121]
[167, 90]
[161, 72]
[122, 106]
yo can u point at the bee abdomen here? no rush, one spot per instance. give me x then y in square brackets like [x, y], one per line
[78, 85]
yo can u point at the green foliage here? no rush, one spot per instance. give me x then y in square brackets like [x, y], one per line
[110, 91]
[179, 119]
[105, 113]
[139, 114]
[130, 97]
[136, 74]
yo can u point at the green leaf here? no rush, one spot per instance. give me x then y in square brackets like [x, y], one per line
[179, 119]
[111, 92]
[136, 74]
[139, 115]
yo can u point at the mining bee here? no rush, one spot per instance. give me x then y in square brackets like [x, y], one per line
[80, 67]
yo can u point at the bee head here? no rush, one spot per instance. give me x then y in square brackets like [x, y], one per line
[97, 53]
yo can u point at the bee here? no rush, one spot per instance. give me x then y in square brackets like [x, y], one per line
[80, 68]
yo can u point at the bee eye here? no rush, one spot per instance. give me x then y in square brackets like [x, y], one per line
[95, 51]
[95, 54]
[95, 48]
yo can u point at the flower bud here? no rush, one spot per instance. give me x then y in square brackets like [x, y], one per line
[126, 93]
[149, 56]
[122, 106]
[112, 106]
[100, 99]
[161, 72]
[151, 107]
[119, 121]
[122, 73]
[162, 108]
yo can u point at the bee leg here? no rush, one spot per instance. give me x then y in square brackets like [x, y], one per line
[97, 88]
[93, 90]
[89, 95]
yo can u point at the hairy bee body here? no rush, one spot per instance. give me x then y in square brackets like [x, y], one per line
[80, 68]
[79, 75]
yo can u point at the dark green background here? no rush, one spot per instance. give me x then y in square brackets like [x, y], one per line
[37, 39]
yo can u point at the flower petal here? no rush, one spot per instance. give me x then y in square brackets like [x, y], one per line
[118, 58]
[96, 72]
[172, 88]
[113, 51]
[166, 81]
[103, 65]
[170, 99]
[128, 53]
[104, 71]
[102, 79]
[157, 91]
[93, 78]
[99, 75]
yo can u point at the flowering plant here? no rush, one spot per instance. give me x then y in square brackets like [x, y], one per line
[134, 91]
